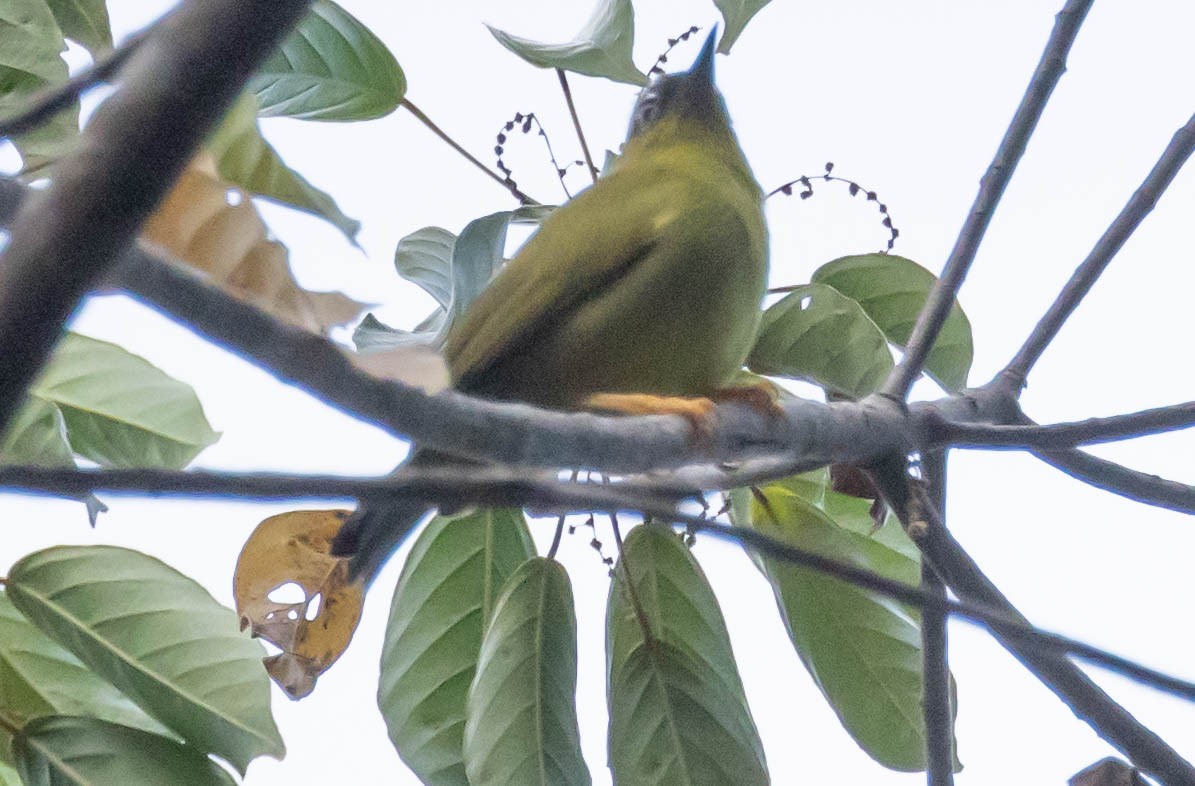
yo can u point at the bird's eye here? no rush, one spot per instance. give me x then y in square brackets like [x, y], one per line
[645, 112]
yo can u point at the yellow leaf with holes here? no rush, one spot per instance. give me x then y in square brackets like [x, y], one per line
[297, 596]
[213, 226]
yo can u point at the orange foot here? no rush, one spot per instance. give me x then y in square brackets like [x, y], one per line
[698, 411]
[762, 396]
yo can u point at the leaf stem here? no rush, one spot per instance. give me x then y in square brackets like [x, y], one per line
[435, 129]
[572, 110]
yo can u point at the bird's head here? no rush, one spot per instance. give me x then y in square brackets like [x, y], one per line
[685, 99]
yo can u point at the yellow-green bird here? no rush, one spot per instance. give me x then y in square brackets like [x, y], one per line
[648, 284]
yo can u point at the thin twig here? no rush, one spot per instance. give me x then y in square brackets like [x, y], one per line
[1123, 481]
[435, 129]
[49, 102]
[1139, 206]
[1066, 435]
[178, 84]
[572, 111]
[937, 706]
[498, 487]
[941, 298]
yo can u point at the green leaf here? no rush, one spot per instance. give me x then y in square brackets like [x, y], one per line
[66, 750]
[862, 649]
[85, 22]
[425, 258]
[892, 290]
[37, 436]
[521, 712]
[735, 16]
[158, 637]
[30, 39]
[331, 67]
[9, 776]
[677, 709]
[444, 597]
[40, 678]
[602, 48]
[30, 61]
[246, 159]
[120, 410]
[818, 334]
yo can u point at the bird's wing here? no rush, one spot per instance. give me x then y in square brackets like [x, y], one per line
[578, 250]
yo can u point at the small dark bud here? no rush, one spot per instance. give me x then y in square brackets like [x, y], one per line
[887, 222]
[787, 189]
[853, 188]
[509, 126]
[497, 150]
[518, 117]
[805, 182]
[527, 125]
[671, 42]
[595, 543]
[829, 167]
[883, 208]
[502, 139]
[663, 58]
[561, 172]
[871, 196]
[806, 194]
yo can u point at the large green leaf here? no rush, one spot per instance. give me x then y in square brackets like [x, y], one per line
[735, 16]
[120, 410]
[521, 713]
[39, 678]
[862, 649]
[677, 709]
[157, 636]
[9, 776]
[892, 290]
[245, 158]
[37, 436]
[63, 750]
[444, 597]
[331, 67]
[31, 46]
[602, 48]
[84, 21]
[818, 334]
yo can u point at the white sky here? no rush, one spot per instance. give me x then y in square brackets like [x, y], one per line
[908, 98]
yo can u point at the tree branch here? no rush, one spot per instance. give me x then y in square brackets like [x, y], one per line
[936, 700]
[176, 86]
[1122, 481]
[1139, 206]
[941, 297]
[1086, 699]
[499, 487]
[1063, 435]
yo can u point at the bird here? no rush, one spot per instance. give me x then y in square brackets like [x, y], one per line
[640, 295]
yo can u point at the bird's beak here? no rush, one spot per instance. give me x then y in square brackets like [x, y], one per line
[704, 65]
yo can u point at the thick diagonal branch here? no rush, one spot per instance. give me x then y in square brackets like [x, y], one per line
[176, 86]
[941, 297]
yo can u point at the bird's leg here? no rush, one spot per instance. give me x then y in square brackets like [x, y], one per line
[763, 397]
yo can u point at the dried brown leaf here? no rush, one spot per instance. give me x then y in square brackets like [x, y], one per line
[290, 552]
[214, 227]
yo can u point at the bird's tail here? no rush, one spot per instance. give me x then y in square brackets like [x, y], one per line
[373, 533]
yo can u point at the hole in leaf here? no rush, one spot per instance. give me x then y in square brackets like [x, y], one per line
[289, 593]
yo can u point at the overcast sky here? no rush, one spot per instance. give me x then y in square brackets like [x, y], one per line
[910, 99]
